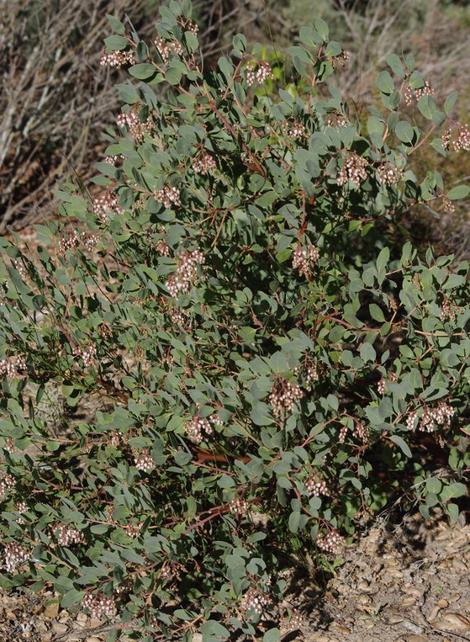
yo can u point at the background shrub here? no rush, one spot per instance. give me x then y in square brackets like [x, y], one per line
[218, 364]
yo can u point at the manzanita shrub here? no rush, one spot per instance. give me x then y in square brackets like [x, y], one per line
[250, 365]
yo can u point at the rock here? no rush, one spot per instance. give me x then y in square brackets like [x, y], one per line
[59, 628]
[453, 622]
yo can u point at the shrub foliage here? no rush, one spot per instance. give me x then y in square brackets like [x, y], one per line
[250, 366]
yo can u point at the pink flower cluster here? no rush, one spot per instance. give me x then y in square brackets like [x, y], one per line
[74, 239]
[336, 120]
[238, 506]
[186, 273]
[254, 602]
[87, 354]
[431, 418]
[7, 483]
[105, 203]
[331, 542]
[15, 556]
[132, 122]
[411, 95]
[283, 396]
[204, 164]
[187, 24]
[12, 366]
[449, 310]
[99, 605]
[382, 383]
[169, 196]
[353, 170]
[360, 431]
[144, 461]
[316, 486]
[294, 129]
[457, 138]
[167, 49]
[388, 174]
[66, 535]
[304, 259]
[198, 428]
[117, 59]
[257, 75]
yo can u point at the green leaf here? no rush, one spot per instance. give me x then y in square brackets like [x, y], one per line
[294, 521]
[404, 131]
[116, 43]
[434, 485]
[273, 635]
[385, 83]
[456, 489]
[395, 64]
[116, 25]
[459, 192]
[401, 443]
[213, 631]
[143, 71]
[376, 313]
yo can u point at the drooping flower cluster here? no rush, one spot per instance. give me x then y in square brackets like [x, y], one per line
[434, 417]
[336, 120]
[186, 272]
[162, 247]
[283, 396]
[204, 164]
[304, 259]
[99, 605]
[449, 310]
[382, 383]
[353, 170]
[360, 431]
[341, 60]
[198, 428]
[411, 95]
[87, 354]
[316, 486]
[7, 483]
[254, 603]
[12, 366]
[388, 174]
[21, 508]
[20, 268]
[448, 205]
[294, 129]
[104, 204]
[457, 137]
[117, 59]
[331, 542]
[431, 418]
[257, 75]
[239, 506]
[74, 239]
[144, 461]
[112, 160]
[15, 556]
[133, 530]
[187, 24]
[66, 535]
[168, 48]
[136, 128]
[168, 196]
[294, 623]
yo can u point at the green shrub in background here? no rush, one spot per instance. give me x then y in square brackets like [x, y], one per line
[263, 369]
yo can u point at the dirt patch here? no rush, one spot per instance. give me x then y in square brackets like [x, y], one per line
[405, 583]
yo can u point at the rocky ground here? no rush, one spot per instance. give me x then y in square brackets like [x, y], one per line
[405, 583]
